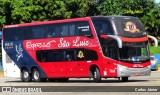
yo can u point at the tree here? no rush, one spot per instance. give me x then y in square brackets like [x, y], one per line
[151, 18]
[22, 11]
[38, 10]
[81, 8]
[5, 12]
[110, 7]
[147, 10]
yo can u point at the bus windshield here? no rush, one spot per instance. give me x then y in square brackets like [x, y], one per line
[129, 27]
[134, 52]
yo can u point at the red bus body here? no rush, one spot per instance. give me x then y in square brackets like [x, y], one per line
[86, 51]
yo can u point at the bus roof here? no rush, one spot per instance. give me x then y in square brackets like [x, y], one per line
[63, 20]
[46, 22]
[114, 17]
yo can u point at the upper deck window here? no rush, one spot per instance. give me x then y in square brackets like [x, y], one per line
[79, 28]
[103, 27]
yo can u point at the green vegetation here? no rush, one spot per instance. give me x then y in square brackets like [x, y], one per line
[158, 65]
[154, 50]
[24, 11]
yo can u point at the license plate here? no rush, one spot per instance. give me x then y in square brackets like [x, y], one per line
[137, 74]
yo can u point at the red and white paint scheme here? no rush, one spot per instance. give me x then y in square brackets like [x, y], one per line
[90, 47]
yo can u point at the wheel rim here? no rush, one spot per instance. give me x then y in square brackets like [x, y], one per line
[95, 74]
[25, 74]
[36, 75]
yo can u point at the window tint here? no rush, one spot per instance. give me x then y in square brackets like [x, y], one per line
[72, 29]
[48, 31]
[39, 32]
[129, 27]
[85, 54]
[53, 30]
[83, 29]
[66, 55]
[103, 27]
[109, 48]
[91, 55]
[26, 33]
[80, 54]
[50, 55]
[70, 55]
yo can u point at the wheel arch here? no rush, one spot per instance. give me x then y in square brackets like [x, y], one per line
[92, 67]
[24, 68]
[34, 67]
[42, 74]
[95, 73]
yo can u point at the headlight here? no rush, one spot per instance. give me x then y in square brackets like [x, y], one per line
[148, 67]
[122, 67]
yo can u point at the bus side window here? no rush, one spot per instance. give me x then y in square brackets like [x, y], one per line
[111, 52]
[39, 32]
[80, 54]
[50, 31]
[16, 37]
[90, 55]
[27, 33]
[86, 54]
[72, 29]
[98, 29]
[64, 31]
[83, 29]
[50, 55]
[70, 55]
[103, 27]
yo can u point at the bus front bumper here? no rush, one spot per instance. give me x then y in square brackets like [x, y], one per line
[123, 71]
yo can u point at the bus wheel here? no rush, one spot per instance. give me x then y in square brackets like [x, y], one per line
[25, 75]
[36, 76]
[96, 75]
[124, 79]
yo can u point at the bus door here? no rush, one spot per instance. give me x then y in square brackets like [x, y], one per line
[110, 51]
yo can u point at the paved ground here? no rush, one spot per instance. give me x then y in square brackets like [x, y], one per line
[146, 81]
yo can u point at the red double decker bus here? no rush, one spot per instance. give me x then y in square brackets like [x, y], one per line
[91, 47]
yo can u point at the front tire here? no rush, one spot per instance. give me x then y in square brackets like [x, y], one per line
[124, 79]
[25, 76]
[96, 75]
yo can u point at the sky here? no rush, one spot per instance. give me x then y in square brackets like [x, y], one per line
[158, 1]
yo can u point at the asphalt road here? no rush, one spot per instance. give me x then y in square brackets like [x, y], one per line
[135, 86]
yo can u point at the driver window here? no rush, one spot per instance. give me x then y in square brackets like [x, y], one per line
[110, 49]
